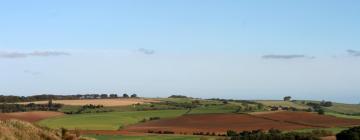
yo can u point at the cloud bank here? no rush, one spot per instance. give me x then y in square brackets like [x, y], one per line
[290, 56]
[353, 53]
[31, 72]
[146, 51]
[11, 55]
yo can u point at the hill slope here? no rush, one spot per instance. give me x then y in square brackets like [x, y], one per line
[19, 130]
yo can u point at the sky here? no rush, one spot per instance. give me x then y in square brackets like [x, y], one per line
[250, 49]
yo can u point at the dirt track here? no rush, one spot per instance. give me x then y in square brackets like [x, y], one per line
[30, 116]
[220, 123]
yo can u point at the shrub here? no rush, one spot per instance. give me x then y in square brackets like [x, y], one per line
[321, 112]
[154, 118]
[231, 133]
[350, 134]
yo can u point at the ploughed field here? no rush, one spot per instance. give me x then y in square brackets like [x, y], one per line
[30, 116]
[220, 123]
[104, 102]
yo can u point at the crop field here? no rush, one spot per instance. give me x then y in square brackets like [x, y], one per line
[220, 123]
[310, 119]
[342, 115]
[282, 103]
[106, 121]
[344, 108]
[30, 116]
[104, 102]
[229, 108]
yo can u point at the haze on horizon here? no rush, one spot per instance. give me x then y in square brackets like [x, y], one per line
[206, 48]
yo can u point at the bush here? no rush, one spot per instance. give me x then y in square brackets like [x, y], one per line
[178, 96]
[154, 118]
[272, 135]
[350, 134]
[231, 133]
[321, 112]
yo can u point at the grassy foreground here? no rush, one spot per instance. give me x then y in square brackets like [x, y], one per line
[19, 130]
[106, 121]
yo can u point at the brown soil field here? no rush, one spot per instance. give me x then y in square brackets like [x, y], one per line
[310, 119]
[30, 116]
[104, 102]
[220, 123]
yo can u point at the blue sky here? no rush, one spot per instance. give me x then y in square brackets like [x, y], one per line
[204, 48]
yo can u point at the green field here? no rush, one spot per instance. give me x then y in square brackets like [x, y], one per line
[282, 103]
[220, 108]
[106, 121]
[72, 109]
[345, 108]
[159, 137]
[342, 115]
[334, 130]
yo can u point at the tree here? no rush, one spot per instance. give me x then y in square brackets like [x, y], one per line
[326, 103]
[103, 96]
[321, 111]
[125, 95]
[96, 96]
[287, 98]
[50, 104]
[231, 133]
[178, 96]
[274, 131]
[133, 96]
[350, 134]
[113, 95]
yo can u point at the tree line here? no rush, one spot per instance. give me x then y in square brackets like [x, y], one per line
[44, 97]
[8, 108]
[274, 134]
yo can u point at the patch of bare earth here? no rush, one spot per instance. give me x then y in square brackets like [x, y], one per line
[30, 116]
[329, 138]
[104, 102]
[220, 123]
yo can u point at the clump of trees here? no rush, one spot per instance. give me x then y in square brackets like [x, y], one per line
[177, 96]
[274, 134]
[131, 96]
[90, 108]
[326, 103]
[45, 97]
[150, 119]
[287, 98]
[8, 108]
[161, 132]
[319, 107]
[350, 134]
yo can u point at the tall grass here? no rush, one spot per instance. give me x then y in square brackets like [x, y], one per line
[19, 130]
